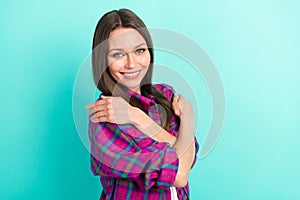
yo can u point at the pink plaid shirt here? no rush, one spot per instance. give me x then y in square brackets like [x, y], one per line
[130, 164]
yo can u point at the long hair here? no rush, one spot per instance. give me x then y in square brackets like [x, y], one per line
[113, 20]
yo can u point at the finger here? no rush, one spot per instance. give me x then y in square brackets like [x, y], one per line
[108, 97]
[178, 97]
[175, 98]
[179, 112]
[90, 105]
[97, 109]
[176, 110]
[100, 114]
[175, 106]
[91, 111]
[99, 119]
[100, 102]
[175, 102]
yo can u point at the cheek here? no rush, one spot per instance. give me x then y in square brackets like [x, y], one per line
[114, 69]
[145, 60]
[114, 65]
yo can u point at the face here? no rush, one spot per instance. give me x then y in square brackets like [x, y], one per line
[128, 57]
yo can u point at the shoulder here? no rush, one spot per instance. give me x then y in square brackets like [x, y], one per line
[165, 89]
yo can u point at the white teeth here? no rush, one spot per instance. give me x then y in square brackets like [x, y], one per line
[132, 73]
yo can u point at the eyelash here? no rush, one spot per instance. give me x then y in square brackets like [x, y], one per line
[142, 49]
[119, 55]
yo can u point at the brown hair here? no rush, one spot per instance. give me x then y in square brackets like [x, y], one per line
[112, 20]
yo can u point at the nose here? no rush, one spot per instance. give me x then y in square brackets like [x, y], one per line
[131, 61]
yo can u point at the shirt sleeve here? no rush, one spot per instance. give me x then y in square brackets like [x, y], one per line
[117, 154]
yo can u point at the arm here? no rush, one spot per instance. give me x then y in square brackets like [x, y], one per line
[184, 144]
[146, 125]
[115, 154]
[116, 110]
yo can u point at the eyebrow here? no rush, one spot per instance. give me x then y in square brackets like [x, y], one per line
[119, 49]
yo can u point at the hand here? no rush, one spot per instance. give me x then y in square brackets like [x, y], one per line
[181, 106]
[111, 109]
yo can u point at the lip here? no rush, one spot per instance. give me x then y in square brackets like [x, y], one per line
[131, 75]
[130, 71]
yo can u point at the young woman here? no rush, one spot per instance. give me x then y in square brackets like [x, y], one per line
[142, 141]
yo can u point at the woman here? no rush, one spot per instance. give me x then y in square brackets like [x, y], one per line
[142, 141]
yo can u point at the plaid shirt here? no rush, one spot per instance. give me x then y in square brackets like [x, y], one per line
[132, 165]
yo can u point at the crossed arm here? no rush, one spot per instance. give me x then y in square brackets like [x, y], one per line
[117, 110]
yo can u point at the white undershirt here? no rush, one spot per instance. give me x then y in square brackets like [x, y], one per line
[173, 193]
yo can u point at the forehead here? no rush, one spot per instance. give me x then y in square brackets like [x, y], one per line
[125, 38]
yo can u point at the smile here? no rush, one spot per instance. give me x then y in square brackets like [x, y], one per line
[131, 75]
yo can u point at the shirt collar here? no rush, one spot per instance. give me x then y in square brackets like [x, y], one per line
[147, 102]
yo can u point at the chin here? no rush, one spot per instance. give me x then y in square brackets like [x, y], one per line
[131, 86]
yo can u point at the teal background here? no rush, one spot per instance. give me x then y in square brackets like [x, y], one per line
[254, 44]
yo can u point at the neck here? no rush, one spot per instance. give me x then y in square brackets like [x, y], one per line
[137, 90]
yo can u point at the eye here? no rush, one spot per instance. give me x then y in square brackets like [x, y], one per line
[117, 55]
[141, 50]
